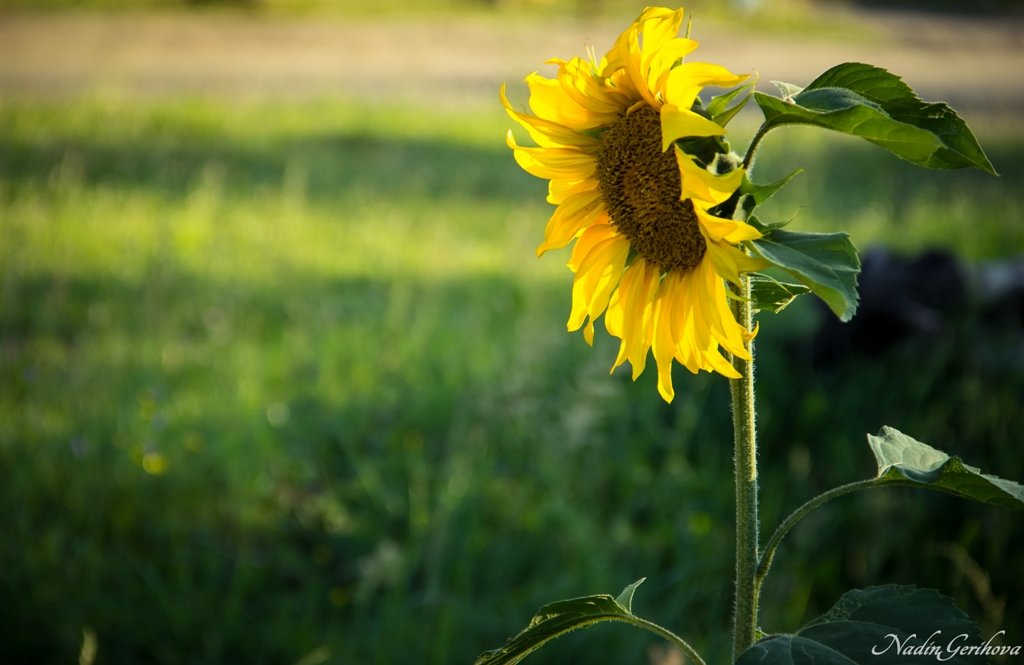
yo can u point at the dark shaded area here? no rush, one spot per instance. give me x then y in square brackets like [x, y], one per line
[983, 7]
[922, 300]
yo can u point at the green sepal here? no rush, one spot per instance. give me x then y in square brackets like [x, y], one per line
[719, 106]
[754, 194]
[766, 228]
[869, 102]
[770, 295]
[901, 458]
[875, 626]
[704, 149]
[826, 263]
[625, 599]
[788, 90]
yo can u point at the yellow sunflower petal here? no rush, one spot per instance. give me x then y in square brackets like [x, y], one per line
[576, 213]
[629, 319]
[561, 163]
[596, 276]
[614, 317]
[664, 62]
[718, 229]
[684, 324]
[545, 133]
[701, 184]
[717, 315]
[699, 295]
[613, 258]
[578, 80]
[638, 45]
[591, 237]
[550, 101]
[678, 122]
[717, 362]
[624, 50]
[663, 346]
[729, 262]
[685, 82]
[560, 190]
[659, 29]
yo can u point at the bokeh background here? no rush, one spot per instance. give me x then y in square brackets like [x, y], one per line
[281, 380]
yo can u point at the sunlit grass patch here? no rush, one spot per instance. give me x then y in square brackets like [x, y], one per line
[337, 190]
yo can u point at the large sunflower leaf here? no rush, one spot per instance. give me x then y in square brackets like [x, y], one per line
[869, 102]
[826, 263]
[901, 458]
[880, 625]
[564, 616]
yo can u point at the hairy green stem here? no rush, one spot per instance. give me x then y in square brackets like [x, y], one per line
[690, 653]
[755, 143]
[745, 461]
[787, 524]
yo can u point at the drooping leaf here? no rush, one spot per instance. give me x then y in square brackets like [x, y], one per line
[876, 626]
[869, 102]
[901, 458]
[554, 620]
[826, 263]
[771, 295]
[564, 616]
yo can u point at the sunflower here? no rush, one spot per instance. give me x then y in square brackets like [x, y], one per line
[649, 253]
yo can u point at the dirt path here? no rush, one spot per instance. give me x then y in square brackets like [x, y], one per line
[974, 64]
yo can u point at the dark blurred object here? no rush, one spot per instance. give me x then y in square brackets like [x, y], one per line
[999, 291]
[945, 6]
[918, 299]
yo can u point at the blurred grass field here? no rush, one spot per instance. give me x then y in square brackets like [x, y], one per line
[282, 382]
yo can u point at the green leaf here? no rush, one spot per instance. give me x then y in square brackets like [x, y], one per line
[769, 294]
[554, 620]
[901, 458]
[869, 102]
[561, 617]
[826, 263]
[881, 625]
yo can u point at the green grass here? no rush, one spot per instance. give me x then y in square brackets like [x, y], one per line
[285, 382]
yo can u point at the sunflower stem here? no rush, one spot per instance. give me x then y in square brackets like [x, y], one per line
[755, 143]
[745, 461]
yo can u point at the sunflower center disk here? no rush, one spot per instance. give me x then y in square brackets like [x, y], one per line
[640, 186]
